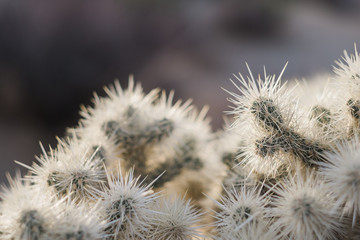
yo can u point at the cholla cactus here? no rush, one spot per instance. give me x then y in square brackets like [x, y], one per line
[125, 205]
[271, 113]
[26, 213]
[342, 175]
[152, 135]
[73, 169]
[174, 218]
[77, 221]
[242, 210]
[139, 166]
[303, 209]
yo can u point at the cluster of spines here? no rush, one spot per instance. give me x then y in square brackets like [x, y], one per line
[152, 134]
[127, 129]
[269, 108]
[27, 213]
[123, 208]
[305, 161]
[287, 174]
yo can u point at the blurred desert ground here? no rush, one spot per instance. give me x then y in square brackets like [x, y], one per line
[55, 54]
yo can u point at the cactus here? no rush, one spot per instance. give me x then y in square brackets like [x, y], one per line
[138, 166]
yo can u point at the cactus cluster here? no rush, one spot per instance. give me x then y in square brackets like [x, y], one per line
[138, 166]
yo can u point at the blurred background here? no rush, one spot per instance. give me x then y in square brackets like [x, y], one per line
[55, 54]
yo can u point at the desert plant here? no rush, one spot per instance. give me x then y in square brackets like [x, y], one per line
[139, 166]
